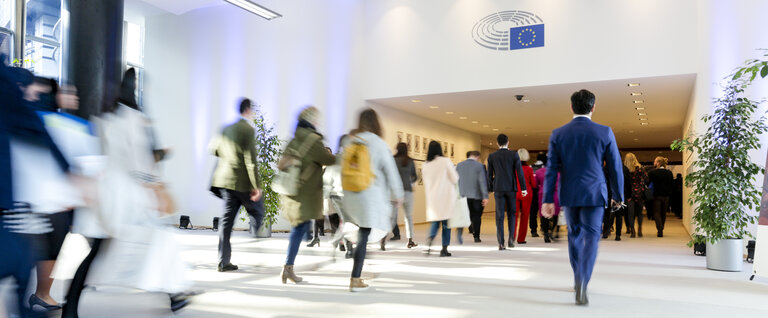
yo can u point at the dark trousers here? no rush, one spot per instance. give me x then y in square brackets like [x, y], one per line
[583, 239]
[660, 206]
[17, 262]
[534, 212]
[360, 251]
[475, 215]
[78, 282]
[319, 228]
[505, 201]
[613, 219]
[635, 211]
[548, 224]
[233, 200]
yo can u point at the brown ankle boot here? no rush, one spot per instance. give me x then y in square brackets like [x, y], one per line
[289, 274]
[357, 284]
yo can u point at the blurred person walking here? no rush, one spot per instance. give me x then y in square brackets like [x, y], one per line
[504, 169]
[474, 186]
[334, 194]
[577, 151]
[236, 178]
[549, 226]
[372, 186]
[407, 170]
[440, 185]
[635, 200]
[663, 187]
[307, 204]
[524, 202]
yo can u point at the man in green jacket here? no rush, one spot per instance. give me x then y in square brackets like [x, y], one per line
[236, 178]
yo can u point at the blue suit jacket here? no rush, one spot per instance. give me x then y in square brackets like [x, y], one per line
[19, 121]
[577, 151]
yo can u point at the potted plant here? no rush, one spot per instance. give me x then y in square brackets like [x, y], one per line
[269, 147]
[723, 178]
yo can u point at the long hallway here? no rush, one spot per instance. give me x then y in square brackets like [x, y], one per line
[637, 277]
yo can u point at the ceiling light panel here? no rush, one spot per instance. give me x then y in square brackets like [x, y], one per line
[255, 9]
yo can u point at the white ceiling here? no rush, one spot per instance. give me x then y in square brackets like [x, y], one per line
[666, 100]
[181, 6]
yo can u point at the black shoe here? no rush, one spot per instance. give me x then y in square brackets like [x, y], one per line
[444, 252]
[342, 248]
[349, 254]
[511, 244]
[314, 242]
[179, 301]
[227, 267]
[395, 238]
[660, 234]
[547, 238]
[534, 234]
[477, 240]
[38, 305]
[618, 238]
[581, 294]
[523, 242]
[501, 247]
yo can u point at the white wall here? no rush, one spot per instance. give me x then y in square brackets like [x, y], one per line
[426, 46]
[395, 121]
[728, 34]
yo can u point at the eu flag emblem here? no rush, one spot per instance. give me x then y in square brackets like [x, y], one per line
[525, 37]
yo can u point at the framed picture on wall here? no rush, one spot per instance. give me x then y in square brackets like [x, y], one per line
[452, 154]
[445, 148]
[425, 145]
[417, 144]
[400, 137]
[409, 142]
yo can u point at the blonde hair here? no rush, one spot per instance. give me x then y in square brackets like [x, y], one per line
[662, 160]
[310, 114]
[524, 155]
[630, 161]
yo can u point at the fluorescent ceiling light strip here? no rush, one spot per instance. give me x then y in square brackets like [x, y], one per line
[255, 9]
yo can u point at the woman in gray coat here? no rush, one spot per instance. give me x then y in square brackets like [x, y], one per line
[371, 209]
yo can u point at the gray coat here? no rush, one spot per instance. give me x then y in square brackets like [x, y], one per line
[472, 182]
[372, 207]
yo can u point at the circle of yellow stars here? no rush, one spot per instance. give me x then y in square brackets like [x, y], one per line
[520, 37]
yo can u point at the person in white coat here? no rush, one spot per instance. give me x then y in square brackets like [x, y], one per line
[371, 209]
[440, 186]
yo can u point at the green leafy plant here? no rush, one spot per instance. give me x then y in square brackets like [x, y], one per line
[270, 150]
[723, 177]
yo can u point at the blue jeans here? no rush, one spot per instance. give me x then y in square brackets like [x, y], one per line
[446, 231]
[583, 237]
[297, 233]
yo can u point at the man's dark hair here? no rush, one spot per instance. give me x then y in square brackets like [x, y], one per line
[245, 105]
[502, 139]
[473, 153]
[582, 102]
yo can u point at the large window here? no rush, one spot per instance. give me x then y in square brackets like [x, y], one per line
[42, 38]
[133, 45]
[7, 27]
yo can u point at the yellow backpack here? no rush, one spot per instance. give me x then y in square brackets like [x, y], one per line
[356, 172]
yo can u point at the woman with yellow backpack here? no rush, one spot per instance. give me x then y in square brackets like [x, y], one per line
[371, 184]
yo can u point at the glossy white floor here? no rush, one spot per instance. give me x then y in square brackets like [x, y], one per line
[638, 277]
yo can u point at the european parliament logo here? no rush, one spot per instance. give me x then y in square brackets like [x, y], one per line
[509, 30]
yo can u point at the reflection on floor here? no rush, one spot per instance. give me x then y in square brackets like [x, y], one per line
[640, 277]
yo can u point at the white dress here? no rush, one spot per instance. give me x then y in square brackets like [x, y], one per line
[440, 180]
[140, 253]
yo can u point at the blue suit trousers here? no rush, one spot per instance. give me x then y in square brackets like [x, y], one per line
[584, 229]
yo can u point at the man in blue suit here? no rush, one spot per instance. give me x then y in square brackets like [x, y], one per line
[577, 151]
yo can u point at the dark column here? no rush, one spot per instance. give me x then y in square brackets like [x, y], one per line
[95, 50]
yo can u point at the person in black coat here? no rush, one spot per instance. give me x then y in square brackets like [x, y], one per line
[663, 187]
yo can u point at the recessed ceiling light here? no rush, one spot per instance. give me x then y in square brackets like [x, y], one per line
[631, 131]
[644, 124]
[639, 108]
[416, 101]
[526, 100]
[486, 126]
[633, 84]
[643, 118]
[642, 114]
[541, 142]
[449, 113]
[495, 129]
[526, 135]
[255, 9]
[463, 117]
[475, 122]
[434, 107]
[636, 139]
[636, 94]
[661, 152]
[638, 101]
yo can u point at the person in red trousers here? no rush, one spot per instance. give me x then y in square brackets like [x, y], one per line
[524, 201]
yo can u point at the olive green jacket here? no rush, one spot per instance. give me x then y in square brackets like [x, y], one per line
[308, 204]
[237, 168]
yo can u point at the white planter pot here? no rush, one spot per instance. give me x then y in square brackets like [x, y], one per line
[726, 255]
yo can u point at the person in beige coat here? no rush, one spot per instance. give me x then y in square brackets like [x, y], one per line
[440, 186]
[307, 205]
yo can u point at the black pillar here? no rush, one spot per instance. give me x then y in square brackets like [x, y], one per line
[95, 52]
